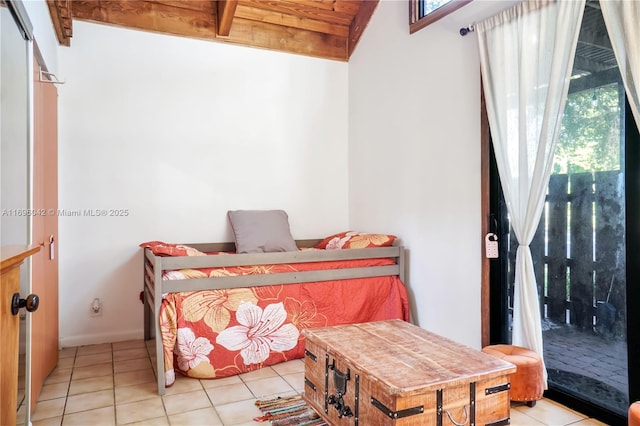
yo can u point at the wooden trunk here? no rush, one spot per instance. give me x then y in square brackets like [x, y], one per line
[394, 373]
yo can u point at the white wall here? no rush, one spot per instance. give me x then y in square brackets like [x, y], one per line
[414, 160]
[43, 32]
[14, 133]
[178, 131]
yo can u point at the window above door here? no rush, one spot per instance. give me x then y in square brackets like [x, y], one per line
[425, 12]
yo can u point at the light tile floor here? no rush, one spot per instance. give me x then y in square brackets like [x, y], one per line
[114, 384]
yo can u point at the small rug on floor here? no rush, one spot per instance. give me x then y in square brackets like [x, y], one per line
[288, 411]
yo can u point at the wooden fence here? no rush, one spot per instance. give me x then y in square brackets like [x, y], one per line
[579, 253]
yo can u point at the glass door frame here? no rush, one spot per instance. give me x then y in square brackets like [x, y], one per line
[494, 295]
[24, 27]
[632, 194]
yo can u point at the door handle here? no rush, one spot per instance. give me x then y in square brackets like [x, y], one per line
[30, 303]
[52, 247]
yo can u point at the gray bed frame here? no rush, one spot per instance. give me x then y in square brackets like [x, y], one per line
[155, 286]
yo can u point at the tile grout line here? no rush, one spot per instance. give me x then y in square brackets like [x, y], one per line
[64, 407]
[156, 375]
[280, 375]
[66, 397]
[215, 410]
[52, 399]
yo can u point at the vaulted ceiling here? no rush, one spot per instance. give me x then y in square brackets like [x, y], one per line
[320, 28]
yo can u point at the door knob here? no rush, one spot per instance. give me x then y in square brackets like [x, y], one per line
[31, 303]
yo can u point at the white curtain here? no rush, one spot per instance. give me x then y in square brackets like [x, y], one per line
[526, 57]
[622, 18]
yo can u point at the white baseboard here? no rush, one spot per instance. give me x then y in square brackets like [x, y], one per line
[95, 339]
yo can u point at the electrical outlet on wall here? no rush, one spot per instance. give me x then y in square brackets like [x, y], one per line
[96, 307]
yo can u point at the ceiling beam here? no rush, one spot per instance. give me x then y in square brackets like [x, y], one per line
[60, 11]
[226, 12]
[591, 66]
[593, 38]
[161, 17]
[591, 81]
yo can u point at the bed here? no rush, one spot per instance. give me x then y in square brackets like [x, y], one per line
[223, 313]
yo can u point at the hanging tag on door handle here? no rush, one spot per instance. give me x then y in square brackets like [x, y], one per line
[52, 248]
[491, 245]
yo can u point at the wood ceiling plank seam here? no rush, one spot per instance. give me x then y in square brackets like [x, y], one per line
[149, 16]
[201, 5]
[279, 38]
[298, 9]
[319, 4]
[350, 7]
[88, 10]
[287, 20]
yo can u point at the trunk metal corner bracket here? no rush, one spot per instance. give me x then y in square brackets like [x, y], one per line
[397, 414]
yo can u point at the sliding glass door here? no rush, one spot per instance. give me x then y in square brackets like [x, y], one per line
[14, 166]
[581, 247]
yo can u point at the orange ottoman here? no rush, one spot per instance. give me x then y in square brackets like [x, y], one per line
[634, 414]
[527, 382]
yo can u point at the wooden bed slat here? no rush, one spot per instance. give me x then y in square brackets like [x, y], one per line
[148, 272]
[229, 246]
[148, 295]
[150, 257]
[169, 286]
[247, 259]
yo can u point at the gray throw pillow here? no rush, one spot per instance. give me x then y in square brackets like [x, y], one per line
[261, 231]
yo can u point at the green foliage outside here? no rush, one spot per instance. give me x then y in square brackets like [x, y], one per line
[590, 134]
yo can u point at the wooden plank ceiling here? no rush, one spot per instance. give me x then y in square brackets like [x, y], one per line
[320, 28]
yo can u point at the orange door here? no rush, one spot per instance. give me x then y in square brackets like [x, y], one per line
[44, 331]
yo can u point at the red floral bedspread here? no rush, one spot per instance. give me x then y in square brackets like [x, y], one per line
[219, 333]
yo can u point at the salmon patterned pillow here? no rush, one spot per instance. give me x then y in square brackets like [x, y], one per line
[160, 248]
[351, 239]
